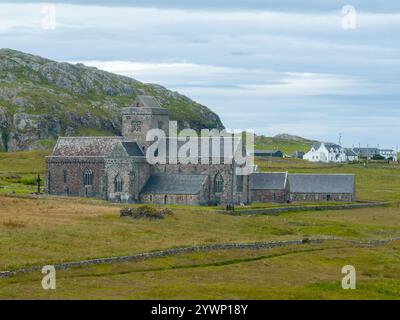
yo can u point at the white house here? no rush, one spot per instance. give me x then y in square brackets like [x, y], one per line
[351, 155]
[326, 152]
[388, 154]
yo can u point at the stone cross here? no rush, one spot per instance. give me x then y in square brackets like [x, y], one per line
[38, 181]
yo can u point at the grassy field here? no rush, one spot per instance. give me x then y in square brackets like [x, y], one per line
[47, 230]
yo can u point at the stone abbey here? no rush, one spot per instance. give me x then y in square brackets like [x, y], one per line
[116, 168]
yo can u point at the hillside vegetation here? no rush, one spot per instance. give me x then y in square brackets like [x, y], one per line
[283, 142]
[41, 99]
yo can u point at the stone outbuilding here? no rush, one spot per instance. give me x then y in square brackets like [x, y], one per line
[282, 187]
[322, 187]
[269, 187]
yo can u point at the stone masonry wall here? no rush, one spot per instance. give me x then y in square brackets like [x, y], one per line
[278, 196]
[75, 169]
[316, 197]
[180, 199]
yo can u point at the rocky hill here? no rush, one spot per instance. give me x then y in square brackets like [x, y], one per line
[41, 99]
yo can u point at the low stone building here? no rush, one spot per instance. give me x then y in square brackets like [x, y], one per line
[282, 187]
[184, 189]
[269, 187]
[322, 187]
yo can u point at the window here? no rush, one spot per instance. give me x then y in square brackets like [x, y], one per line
[239, 183]
[118, 183]
[65, 175]
[88, 178]
[218, 183]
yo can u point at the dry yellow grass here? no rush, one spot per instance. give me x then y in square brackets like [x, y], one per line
[66, 229]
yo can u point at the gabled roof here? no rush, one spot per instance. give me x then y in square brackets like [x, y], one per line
[85, 146]
[268, 180]
[174, 184]
[322, 183]
[366, 151]
[93, 147]
[328, 145]
[148, 101]
[350, 153]
[133, 149]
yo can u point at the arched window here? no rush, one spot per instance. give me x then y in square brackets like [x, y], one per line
[118, 183]
[218, 183]
[65, 175]
[88, 178]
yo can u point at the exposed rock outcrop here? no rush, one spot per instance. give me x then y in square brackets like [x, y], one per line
[41, 99]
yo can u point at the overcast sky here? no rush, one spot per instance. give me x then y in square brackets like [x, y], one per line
[282, 66]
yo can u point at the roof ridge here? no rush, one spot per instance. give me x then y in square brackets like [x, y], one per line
[92, 137]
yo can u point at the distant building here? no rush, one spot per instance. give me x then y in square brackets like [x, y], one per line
[298, 154]
[268, 153]
[350, 154]
[322, 187]
[281, 187]
[366, 153]
[269, 187]
[370, 153]
[388, 154]
[325, 152]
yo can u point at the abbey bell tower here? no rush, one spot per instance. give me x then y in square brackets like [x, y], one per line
[145, 114]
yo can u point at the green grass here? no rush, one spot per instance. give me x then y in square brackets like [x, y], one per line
[48, 230]
[286, 146]
[307, 272]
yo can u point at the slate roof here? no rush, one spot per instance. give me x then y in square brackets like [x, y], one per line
[366, 151]
[268, 180]
[328, 145]
[133, 149]
[174, 184]
[350, 153]
[148, 101]
[93, 147]
[321, 183]
[85, 146]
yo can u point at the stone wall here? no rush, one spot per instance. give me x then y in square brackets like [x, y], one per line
[75, 169]
[278, 196]
[204, 248]
[133, 171]
[277, 211]
[316, 197]
[180, 199]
